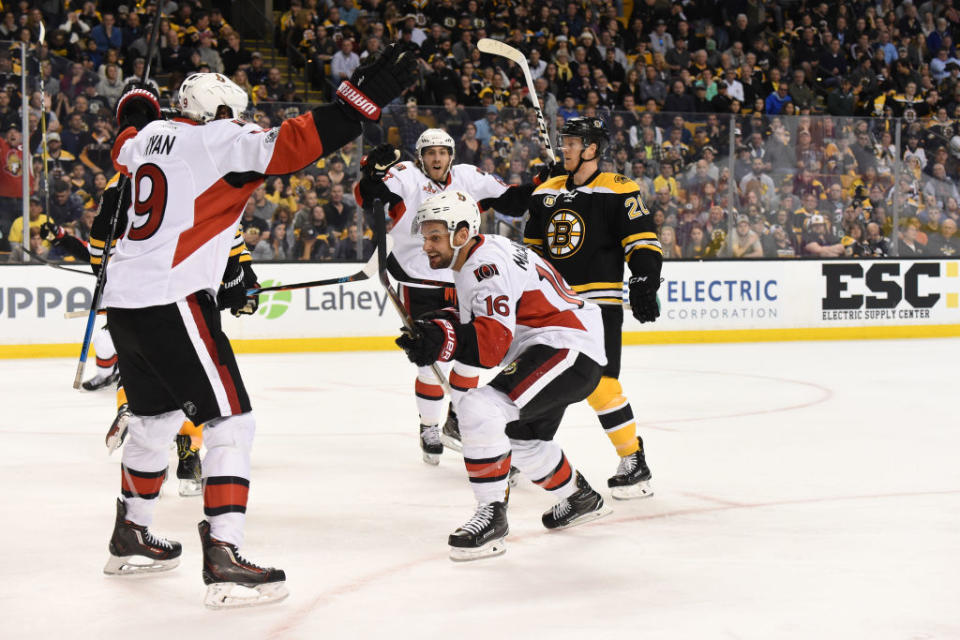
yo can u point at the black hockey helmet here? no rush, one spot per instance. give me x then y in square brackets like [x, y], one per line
[138, 106]
[589, 130]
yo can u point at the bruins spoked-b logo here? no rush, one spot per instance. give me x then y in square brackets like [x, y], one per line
[564, 233]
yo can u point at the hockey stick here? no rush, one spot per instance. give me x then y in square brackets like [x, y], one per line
[111, 231]
[43, 260]
[502, 49]
[368, 271]
[380, 226]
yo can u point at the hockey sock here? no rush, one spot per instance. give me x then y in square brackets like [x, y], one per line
[121, 397]
[488, 475]
[195, 432]
[226, 475]
[483, 415]
[544, 462]
[615, 415]
[105, 366]
[429, 397]
[462, 379]
[144, 462]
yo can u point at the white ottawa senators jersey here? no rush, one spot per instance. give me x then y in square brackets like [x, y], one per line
[515, 297]
[190, 183]
[408, 182]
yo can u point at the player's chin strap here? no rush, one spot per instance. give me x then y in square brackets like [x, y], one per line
[596, 156]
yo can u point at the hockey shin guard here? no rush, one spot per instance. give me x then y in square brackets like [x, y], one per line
[226, 475]
[429, 397]
[144, 462]
[462, 378]
[483, 415]
[544, 462]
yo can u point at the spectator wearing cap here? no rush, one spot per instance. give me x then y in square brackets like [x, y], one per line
[817, 240]
[910, 245]
[257, 72]
[59, 161]
[260, 249]
[742, 241]
[660, 40]
[843, 101]
[440, 80]
[344, 62]
[777, 244]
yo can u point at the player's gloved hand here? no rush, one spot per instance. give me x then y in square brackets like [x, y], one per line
[52, 232]
[643, 298]
[376, 163]
[372, 86]
[429, 341]
[548, 170]
[233, 293]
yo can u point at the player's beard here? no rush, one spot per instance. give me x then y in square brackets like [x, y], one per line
[443, 262]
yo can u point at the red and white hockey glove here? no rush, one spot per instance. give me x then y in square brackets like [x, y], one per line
[429, 341]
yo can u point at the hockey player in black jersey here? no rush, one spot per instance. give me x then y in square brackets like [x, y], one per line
[587, 224]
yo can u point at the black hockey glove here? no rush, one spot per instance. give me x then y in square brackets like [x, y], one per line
[374, 85]
[233, 294]
[643, 298]
[429, 341]
[548, 170]
[52, 232]
[376, 163]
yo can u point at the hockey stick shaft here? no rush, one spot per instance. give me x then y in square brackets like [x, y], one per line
[380, 225]
[369, 269]
[497, 48]
[112, 229]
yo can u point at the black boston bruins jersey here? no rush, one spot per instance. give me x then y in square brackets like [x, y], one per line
[587, 233]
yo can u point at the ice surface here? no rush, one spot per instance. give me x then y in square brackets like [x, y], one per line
[803, 490]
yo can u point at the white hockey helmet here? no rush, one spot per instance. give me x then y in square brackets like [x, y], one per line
[435, 138]
[201, 94]
[452, 208]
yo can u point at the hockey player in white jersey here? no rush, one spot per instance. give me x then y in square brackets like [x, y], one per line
[402, 187]
[513, 308]
[191, 177]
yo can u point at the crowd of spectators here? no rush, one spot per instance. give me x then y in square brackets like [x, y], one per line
[774, 129]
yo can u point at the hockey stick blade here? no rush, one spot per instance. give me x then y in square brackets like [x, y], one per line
[369, 270]
[502, 49]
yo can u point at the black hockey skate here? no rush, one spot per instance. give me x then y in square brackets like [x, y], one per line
[632, 479]
[482, 536]
[188, 469]
[450, 435]
[583, 506]
[98, 382]
[430, 443]
[233, 581]
[118, 430]
[133, 549]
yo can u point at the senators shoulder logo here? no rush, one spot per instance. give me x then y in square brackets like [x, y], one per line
[485, 271]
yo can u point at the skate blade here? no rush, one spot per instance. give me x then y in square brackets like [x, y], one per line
[431, 458]
[230, 595]
[587, 517]
[138, 565]
[493, 548]
[451, 443]
[190, 488]
[632, 492]
[116, 435]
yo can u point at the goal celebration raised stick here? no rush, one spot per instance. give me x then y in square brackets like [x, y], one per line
[502, 49]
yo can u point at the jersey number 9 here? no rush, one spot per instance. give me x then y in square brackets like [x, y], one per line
[153, 206]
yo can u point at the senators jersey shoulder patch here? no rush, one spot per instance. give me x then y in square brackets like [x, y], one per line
[484, 271]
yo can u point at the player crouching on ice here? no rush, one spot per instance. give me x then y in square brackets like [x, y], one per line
[191, 177]
[519, 311]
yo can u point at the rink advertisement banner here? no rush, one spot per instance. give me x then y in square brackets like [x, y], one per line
[700, 301]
